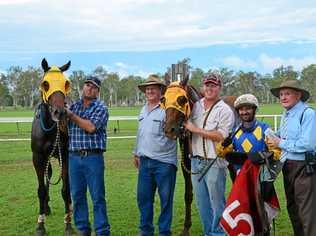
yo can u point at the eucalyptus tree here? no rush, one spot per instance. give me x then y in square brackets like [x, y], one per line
[5, 97]
[77, 79]
[27, 89]
[109, 89]
[308, 78]
[13, 75]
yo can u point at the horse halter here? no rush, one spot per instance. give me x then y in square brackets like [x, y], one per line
[54, 80]
[176, 97]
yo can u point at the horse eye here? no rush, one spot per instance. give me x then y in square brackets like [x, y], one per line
[163, 100]
[45, 86]
[182, 100]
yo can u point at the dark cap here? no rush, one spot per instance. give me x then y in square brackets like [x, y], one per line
[213, 78]
[94, 80]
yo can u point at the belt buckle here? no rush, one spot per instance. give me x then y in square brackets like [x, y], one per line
[83, 153]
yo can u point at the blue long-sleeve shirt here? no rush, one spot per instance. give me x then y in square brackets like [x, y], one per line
[301, 135]
[151, 140]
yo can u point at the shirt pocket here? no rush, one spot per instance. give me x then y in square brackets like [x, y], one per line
[157, 127]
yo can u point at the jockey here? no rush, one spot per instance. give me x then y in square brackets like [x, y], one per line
[248, 137]
[255, 169]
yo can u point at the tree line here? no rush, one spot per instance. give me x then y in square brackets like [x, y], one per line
[19, 87]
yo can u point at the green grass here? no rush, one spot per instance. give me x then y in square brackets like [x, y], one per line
[18, 187]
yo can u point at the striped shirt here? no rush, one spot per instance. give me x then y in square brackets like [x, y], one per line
[97, 113]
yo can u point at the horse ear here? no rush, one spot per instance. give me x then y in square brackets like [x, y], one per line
[45, 65]
[184, 82]
[167, 79]
[65, 67]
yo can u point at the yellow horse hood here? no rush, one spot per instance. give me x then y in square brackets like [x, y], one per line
[54, 80]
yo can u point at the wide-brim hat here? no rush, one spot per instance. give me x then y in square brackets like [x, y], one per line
[152, 80]
[291, 84]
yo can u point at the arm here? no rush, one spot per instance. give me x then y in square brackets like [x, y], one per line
[213, 135]
[84, 124]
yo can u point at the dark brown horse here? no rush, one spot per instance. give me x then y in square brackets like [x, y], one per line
[49, 139]
[178, 101]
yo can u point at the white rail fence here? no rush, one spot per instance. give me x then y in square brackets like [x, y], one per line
[18, 120]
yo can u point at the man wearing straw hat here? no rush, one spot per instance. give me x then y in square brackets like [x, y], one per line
[297, 140]
[155, 156]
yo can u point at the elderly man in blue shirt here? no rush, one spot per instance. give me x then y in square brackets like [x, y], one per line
[87, 142]
[155, 156]
[296, 139]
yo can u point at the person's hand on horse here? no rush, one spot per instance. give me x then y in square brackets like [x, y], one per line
[136, 161]
[69, 113]
[190, 126]
[273, 142]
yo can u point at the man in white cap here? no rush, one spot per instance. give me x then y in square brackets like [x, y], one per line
[297, 139]
[155, 156]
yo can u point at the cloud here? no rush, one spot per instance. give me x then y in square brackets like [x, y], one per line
[147, 25]
[237, 62]
[270, 63]
[16, 2]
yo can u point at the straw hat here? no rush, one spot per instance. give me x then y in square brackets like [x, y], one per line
[291, 84]
[152, 80]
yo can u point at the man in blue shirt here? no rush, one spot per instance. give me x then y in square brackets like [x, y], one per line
[155, 156]
[297, 136]
[87, 142]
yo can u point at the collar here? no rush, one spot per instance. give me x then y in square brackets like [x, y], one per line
[252, 126]
[295, 109]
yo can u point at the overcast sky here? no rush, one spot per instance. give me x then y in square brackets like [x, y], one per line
[242, 35]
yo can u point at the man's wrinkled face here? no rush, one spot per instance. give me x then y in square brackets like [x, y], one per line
[289, 97]
[247, 113]
[90, 91]
[153, 93]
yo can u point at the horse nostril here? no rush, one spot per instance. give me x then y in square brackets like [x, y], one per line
[172, 129]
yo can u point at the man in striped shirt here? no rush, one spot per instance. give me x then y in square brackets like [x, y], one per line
[87, 142]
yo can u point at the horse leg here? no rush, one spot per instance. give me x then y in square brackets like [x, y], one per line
[65, 192]
[188, 193]
[41, 193]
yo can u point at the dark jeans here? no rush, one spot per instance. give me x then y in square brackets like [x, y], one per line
[154, 174]
[300, 190]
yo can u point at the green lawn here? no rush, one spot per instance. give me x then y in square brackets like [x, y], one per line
[18, 185]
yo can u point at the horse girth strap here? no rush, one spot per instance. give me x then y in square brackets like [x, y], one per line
[171, 96]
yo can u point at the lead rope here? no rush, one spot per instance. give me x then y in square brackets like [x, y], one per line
[60, 163]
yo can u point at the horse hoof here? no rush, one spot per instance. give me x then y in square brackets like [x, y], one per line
[40, 230]
[69, 231]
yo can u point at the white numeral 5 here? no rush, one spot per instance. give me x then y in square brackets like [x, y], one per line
[233, 222]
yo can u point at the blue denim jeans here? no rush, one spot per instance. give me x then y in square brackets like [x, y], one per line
[154, 174]
[209, 195]
[88, 172]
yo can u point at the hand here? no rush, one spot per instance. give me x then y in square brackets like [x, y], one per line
[227, 141]
[69, 113]
[136, 162]
[189, 126]
[273, 142]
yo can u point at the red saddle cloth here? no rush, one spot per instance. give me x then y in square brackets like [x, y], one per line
[246, 212]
